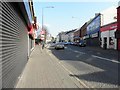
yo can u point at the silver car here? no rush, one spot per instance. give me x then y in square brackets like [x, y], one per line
[59, 45]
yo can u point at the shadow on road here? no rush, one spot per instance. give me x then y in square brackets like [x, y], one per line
[109, 75]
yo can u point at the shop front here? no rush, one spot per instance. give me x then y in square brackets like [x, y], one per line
[108, 40]
[118, 27]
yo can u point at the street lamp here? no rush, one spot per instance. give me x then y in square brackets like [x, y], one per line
[43, 18]
[43, 14]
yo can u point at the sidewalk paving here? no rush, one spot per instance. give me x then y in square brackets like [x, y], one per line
[42, 71]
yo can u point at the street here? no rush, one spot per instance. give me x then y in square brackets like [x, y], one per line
[95, 68]
[56, 44]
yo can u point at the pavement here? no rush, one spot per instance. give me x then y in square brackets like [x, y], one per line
[43, 71]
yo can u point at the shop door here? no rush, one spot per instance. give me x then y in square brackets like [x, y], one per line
[105, 43]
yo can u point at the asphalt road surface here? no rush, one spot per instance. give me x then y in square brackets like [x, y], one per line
[95, 68]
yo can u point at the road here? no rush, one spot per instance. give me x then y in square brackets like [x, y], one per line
[94, 68]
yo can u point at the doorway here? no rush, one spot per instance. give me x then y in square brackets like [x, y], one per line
[105, 43]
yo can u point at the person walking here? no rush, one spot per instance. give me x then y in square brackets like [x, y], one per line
[43, 44]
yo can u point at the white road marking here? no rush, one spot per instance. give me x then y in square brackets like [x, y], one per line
[95, 56]
[105, 59]
[77, 51]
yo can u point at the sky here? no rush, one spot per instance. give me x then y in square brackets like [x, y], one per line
[68, 15]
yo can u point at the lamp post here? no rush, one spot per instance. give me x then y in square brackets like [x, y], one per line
[43, 21]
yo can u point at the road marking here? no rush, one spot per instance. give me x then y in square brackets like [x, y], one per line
[77, 51]
[96, 56]
[105, 59]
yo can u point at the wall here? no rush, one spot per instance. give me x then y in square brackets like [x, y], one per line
[0, 47]
[108, 15]
[118, 24]
[83, 30]
[93, 29]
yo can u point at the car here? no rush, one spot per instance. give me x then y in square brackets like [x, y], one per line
[71, 43]
[75, 43]
[67, 43]
[82, 43]
[59, 45]
[50, 45]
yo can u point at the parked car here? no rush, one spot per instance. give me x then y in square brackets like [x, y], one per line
[82, 43]
[67, 43]
[71, 43]
[75, 43]
[50, 45]
[59, 45]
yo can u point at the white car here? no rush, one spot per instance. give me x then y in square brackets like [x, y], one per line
[50, 45]
[59, 45]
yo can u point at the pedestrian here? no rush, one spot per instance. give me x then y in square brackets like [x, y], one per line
[43, 44]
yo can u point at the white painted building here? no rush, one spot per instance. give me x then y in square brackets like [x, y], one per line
[63, 37]
[70, 36]
[108, 15]
[48, 37]
[108, 36]
[108, 28]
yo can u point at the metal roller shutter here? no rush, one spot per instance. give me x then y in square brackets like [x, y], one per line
[0, 46]
[30, 45]
[14, 45]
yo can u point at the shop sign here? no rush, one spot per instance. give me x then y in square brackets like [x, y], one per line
[109, 27]
[31, 30]
[85, 37]
[42, 32]
[94, 26]
[94, 35]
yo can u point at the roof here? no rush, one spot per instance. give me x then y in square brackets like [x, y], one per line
[70, 31]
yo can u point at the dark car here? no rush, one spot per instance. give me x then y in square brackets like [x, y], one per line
[82, 43]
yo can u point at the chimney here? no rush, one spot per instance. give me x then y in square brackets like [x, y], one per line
[96, 14]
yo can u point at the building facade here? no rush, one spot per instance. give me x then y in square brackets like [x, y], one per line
[77, 36]
[93, 31]
[83, 31]
[117, 35]
[71, 36]
[108, 40]
[108, 28]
